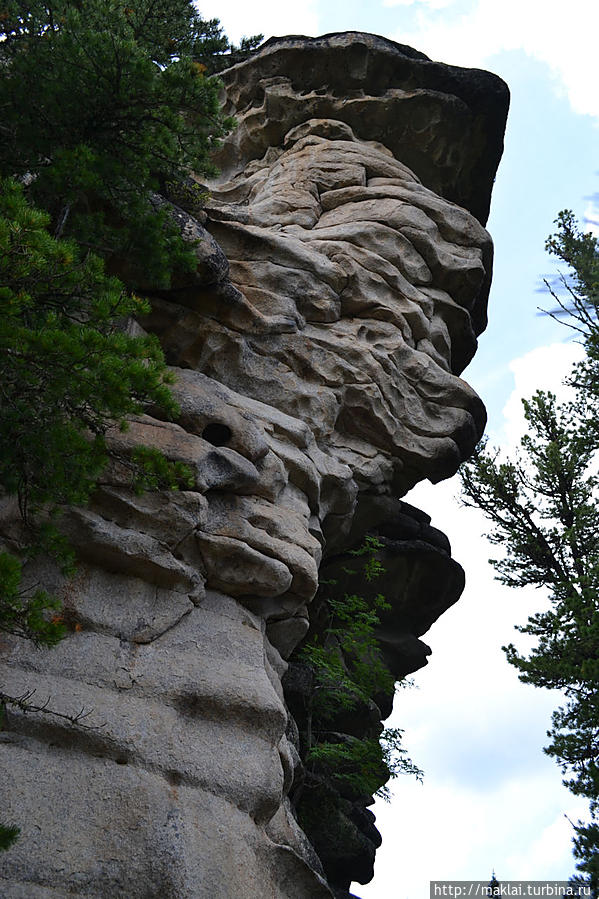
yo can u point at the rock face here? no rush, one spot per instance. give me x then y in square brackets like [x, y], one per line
[343, 273]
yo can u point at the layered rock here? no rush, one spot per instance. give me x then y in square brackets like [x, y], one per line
[317, 353]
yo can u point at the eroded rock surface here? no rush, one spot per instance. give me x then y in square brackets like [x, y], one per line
[317, 353]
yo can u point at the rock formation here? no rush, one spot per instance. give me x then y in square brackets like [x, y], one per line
[343, 272]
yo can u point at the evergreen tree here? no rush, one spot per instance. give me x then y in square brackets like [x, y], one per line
[544, 508]
[343, 665]
[102, 104]
[68, 371]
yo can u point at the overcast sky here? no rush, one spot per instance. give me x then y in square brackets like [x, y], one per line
[490, 798]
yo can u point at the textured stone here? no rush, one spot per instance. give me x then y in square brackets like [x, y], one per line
[342, 277]
[402, 274]
[444, 122]
[125, 607]
[128, 551]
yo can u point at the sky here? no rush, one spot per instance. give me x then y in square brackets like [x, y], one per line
[490, 800]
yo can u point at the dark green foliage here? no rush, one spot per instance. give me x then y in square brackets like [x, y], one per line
[68, 368]
[338, 679]
[363, 764]
[544, 508]
[154, 472]
[349, 673]
[8, 835]
[347, 663]
[345, 658]
[217, 53]
[544, 499]
[103, 102]
[579, 251]
[25, 613]
[68, 371]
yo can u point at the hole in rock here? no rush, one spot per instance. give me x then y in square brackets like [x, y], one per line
[175, 778]
[217, 434]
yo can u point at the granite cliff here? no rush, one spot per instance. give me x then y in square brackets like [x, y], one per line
[343, 274]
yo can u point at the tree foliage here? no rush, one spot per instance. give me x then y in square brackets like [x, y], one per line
[544, 508]
[8, 833]
[349, 673]
[360, 766]
[339, 683]
[68, 372]
[68, 368]
[579, 251]
[102, 105]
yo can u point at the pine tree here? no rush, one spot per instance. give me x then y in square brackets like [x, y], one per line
[68, 372]
[103, 102]
[544, 508]
[102, 105]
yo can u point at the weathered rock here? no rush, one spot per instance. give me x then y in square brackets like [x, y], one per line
[343, 272]
[445, 123]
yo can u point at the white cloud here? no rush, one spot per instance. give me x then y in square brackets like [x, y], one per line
[491, 799]
[432, 4]
[552, 844]
[438, 833]
[562, 35]
[542, 369]
[269, 16]
[591, 217]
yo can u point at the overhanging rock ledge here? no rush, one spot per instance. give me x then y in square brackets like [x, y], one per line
[343, 275]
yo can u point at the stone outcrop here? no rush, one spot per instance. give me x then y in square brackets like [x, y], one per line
[343, 273]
